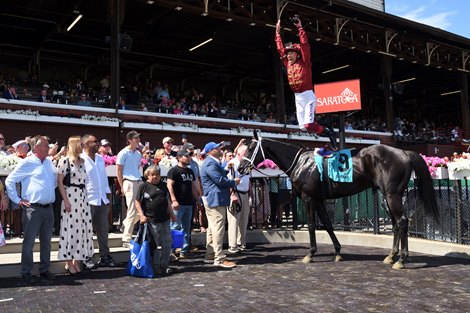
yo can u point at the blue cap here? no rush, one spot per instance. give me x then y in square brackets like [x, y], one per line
[211, 146]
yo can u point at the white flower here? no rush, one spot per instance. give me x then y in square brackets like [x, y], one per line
[9, 162]
[459, 164]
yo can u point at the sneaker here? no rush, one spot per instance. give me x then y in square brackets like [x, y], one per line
[225, 264]
[29, 279]
[193, 248]
[47, 276]
[126, 245]
[88, 264]
[209, 261]
[168, 271]
[242, 248]
[233, 250]
[106, 261]
[184, 255]
[173, 257]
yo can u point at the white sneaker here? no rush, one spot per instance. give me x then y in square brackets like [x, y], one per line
[233, 250]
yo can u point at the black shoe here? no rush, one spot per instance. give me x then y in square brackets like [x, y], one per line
[106, 261]
[47, 277]
[29, 279]
[167, 271]
[88, 264]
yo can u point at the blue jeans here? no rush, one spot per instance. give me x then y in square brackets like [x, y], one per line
[183, 222]
[37, 221]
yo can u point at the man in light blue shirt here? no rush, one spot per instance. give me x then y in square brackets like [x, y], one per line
[38, 178]
[129, 178]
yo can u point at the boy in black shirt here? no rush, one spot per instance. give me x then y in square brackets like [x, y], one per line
[153, 206]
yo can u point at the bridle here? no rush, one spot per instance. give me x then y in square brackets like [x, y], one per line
[260, 147]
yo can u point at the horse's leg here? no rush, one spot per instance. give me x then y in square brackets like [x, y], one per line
[307, 202]
[329, 229]
[396, 242]
[401, 233]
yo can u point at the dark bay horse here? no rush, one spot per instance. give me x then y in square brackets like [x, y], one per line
[378, 166]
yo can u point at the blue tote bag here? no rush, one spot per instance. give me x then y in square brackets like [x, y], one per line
[140, 263]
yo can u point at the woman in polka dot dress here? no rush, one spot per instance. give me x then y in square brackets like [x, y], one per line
[76, 232]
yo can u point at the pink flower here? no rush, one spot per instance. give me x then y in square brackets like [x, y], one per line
[109, 160]
[144, 161]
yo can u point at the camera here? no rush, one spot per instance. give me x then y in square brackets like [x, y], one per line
[227, 143]
[295, 19]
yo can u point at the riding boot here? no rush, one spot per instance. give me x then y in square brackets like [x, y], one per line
[330, 133]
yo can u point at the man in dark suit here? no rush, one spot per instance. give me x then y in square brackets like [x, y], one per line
[10, 93]
[216, 189]
[44, 97]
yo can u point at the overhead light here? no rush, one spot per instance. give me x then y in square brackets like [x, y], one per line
[205, 14]
[450, 92]
[252, 24]
[74, 22]
[368, 51]
[229, 19]
[179, 8]
[335, 69]
[318, 39]
[271, 25]
[150, 2]
[201, 44]
[404, 80]
[386, 53]
[352, 47]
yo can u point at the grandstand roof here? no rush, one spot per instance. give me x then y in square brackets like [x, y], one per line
[162, 32]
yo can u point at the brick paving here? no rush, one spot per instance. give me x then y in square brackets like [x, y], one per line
[269, 278]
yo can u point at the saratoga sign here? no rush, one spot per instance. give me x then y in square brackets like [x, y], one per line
[338, 96]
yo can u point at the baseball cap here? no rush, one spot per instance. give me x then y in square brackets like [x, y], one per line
[105, 142]
[182, 153]
[19, 142]
[211, 146]
[132, 134]
[187, 146]
[167, 139]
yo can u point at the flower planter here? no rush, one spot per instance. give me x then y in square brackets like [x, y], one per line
[111, 170]
[4, 172]
[441, 173]
[459, 174]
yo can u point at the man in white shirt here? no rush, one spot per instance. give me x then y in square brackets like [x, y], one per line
[97, 188]
[38, 178]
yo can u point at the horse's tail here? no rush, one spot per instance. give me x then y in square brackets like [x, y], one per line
[425, 185]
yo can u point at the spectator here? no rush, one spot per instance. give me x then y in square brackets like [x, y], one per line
[38, 178]
[10, 93]
[26, 93]
[216, 187]
[238, 214]
[213, 110]
[194, 110]
[76, 230]
[168, 146]
[132, 97]
[177, 109]
[256, 118]
[129, 178]
[2, 145]
[97, 188]
[106, 145]
[105, 82]
[270, 118]
[143, 107]
[227, 157]
[244, 115]
[183, 189]
[84, 102]
[153, 207]
[44, 97]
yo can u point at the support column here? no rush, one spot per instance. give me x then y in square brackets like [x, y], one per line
[279, 77]
[465, 105]
[387, 76]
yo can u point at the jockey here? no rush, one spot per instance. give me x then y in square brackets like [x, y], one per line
[296, 59]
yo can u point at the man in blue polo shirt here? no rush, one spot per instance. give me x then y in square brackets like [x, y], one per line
[129, 178]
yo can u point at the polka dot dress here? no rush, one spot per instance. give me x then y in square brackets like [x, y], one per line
[76, 230]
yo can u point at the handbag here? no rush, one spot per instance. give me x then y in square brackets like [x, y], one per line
[67, 176]
[2, 236]
[140, 263]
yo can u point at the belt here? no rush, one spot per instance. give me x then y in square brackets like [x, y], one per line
[41, 206]
[242, 192]
[81, 186]
[134, 181]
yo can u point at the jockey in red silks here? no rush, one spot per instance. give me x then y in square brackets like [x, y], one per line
[296, 59]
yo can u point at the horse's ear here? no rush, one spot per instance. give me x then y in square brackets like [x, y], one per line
[255, 133]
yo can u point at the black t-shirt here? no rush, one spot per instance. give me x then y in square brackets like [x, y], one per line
[154, 201]
[183, 178]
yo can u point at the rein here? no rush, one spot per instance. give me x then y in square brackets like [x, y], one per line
[260, 147]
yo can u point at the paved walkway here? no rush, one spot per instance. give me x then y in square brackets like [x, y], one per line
[269, 278]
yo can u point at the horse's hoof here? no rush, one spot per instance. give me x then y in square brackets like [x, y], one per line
[307, 259]
[398, 265]
[388, 260]
[338, 258]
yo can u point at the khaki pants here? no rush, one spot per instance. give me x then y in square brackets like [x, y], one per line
[130, 192]
[215, 233]
[238, 222]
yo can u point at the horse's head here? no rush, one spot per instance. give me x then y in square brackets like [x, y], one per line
[252, 156]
